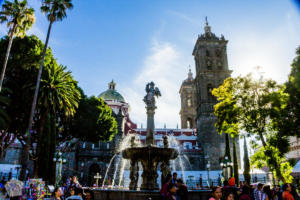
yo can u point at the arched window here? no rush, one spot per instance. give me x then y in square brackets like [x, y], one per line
[189, 102]
[189, 123]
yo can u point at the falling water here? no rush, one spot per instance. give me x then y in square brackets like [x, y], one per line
[181, 167]
[106, 173]
[187, 161]
[182, 160]
[121, 175]
[117, 163]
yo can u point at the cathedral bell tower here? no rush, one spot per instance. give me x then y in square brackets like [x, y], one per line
[211, 63]
[188, 102]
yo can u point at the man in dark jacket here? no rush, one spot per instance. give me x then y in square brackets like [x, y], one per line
[182, 191]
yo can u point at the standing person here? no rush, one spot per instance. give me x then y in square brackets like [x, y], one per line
[164, 188]
[216, 193]
[75, 182]
[277, 193]
[229, 196]
[171, 192]
[287, 192]
[89, 195]
[174, 179]
[200, 181]
[267, 193]
[258, 193]
[57, 194]
[182, 191]
[245, 193]
[78, 195]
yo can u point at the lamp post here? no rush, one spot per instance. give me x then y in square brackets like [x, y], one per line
[226, 164]
[208, 168]
[59, 161]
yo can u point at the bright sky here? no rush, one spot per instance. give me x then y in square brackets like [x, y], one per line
[137, 41]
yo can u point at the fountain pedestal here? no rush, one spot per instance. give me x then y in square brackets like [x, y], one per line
[150, 156]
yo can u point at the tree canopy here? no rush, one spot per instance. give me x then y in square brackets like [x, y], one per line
[75, 114]
[93, 120]
[255, 106]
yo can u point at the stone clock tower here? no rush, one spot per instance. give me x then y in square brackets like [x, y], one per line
[211, 63]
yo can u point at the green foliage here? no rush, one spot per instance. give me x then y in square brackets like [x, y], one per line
[227, 113]
[25, 58]
[58, 92]
[56, 9]
[18, 16]
[270, 156]
[290, 120]
[226, 110]
[256, 106]
[93, 121]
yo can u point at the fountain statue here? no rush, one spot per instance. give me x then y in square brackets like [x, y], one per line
[150, 156]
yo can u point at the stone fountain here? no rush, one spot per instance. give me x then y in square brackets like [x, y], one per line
[150, 156]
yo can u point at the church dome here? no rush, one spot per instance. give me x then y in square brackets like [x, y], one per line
[111, 94]
[190, 79]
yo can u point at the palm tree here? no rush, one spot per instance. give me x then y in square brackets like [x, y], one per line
[58, 96]
[19, 19]
[55, 11]
[4, 118]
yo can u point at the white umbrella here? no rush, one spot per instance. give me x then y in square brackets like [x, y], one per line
[14, 188]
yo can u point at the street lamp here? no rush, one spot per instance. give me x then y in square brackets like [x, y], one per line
[226, 164]
[59, 161]
[208, 168]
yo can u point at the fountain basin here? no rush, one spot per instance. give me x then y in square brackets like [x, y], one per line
[149, 156]
[153, 153]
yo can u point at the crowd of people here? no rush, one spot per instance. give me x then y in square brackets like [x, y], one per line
[175, 189]
[72, 190]
[254, 192]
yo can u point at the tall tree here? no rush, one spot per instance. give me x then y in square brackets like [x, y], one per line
[291, 118]
[59, 99]
[19, 18]
[25, 57]
[227, 112]
[260, 104]
[246, 173]
[55, 11]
